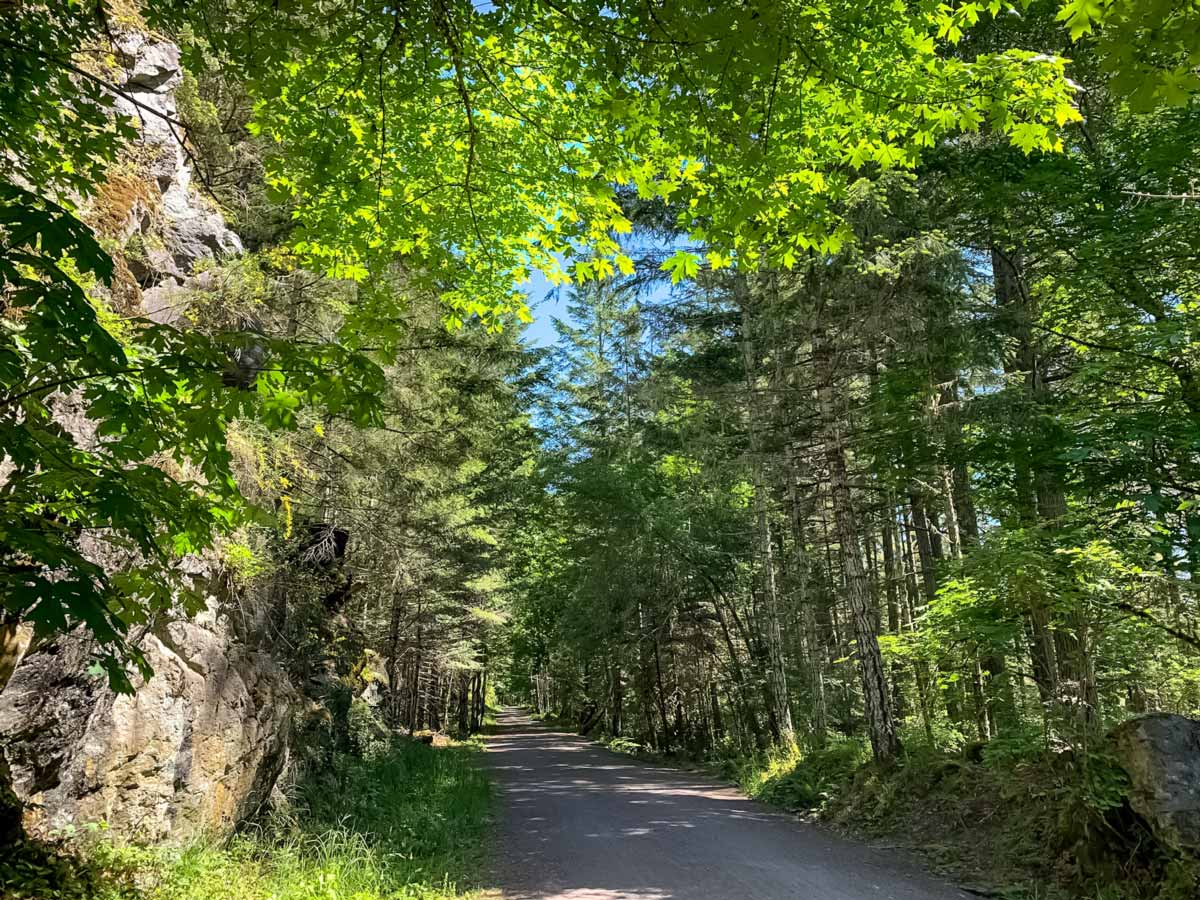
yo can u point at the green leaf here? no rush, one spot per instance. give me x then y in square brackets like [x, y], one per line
[683, 264]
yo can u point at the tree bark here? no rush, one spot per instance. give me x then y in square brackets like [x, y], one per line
[885, 743]
[780, 709]
[813, 649]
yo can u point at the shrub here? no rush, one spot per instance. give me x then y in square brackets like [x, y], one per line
[366, 731]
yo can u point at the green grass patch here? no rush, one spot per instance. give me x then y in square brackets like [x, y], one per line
[796, 779]
[410, 822]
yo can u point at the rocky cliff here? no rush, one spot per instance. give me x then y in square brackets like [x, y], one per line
[166, 226]
[202, 743]
[196, 749]
[1161, 754]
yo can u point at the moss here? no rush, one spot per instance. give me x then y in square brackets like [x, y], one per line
[123, 192]
[126, 14]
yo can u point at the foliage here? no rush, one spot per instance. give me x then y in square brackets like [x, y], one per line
[143, 475]
[795, 780]
[873, 416]
[34, 869]
[436, 111]
[1150, 48]
[624, 745]
[438, 108]
[966, 439]
[368, 734]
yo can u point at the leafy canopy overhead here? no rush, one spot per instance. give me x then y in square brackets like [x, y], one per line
[483, 143]
[1150, 47]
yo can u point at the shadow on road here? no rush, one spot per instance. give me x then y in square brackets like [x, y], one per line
[582, 823]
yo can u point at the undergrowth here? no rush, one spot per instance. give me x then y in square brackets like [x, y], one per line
[408, 822]
[794, 779]
[1007, 820]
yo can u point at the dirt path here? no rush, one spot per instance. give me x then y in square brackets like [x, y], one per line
[581, 823]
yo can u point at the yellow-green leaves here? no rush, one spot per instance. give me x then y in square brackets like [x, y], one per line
[1081, 16]
[480, 160]
[1030, 136]
[682, 265]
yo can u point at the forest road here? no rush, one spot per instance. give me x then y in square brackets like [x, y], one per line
[582, 823]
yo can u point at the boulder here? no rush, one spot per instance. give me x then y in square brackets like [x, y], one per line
[1161, 754]
[154, 267]
[150, 64]
[166, 304]
[196, 234]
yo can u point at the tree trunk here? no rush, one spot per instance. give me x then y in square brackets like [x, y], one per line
[780, 709]
[884, 741]
[1066, 656]
[892, 592]
[813, 648]
[661, 698]
[464, 721]
[617, 703]
[745, 713]
[908, 612]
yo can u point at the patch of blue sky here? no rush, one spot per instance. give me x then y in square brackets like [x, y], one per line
[548, 302]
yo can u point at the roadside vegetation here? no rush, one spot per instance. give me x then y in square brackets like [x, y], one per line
[1011, 821]
[409, 820]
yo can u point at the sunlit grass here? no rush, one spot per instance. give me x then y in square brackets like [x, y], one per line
[793, 778]
[408, 824]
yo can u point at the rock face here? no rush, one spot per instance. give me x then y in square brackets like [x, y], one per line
[196, 749]
[1161, 754]
[191, 228]
[200, 745]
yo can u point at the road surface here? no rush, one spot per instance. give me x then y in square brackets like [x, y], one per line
[582, 823]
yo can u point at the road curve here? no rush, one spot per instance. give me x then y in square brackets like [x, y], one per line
[581, 823]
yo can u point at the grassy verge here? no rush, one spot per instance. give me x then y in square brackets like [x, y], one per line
[994, 828]
[409, 822]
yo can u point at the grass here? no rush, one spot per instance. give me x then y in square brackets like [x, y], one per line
[409, 823]
[796, 780]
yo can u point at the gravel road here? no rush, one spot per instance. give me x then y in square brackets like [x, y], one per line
[582, 823]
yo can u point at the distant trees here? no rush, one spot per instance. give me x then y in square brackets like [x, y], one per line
[936, 487]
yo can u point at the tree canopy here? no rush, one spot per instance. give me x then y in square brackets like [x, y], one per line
[923, 399]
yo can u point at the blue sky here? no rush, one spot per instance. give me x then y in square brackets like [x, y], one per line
[544, 307]
[546, 302]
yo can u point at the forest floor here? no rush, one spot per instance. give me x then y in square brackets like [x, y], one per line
[584, 823]
[409, 822]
